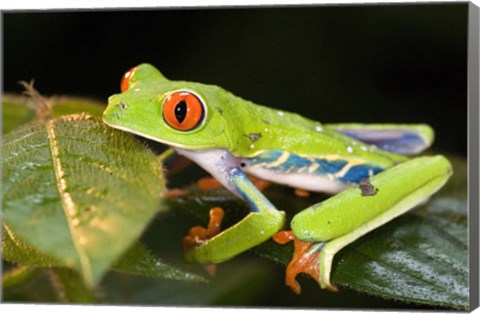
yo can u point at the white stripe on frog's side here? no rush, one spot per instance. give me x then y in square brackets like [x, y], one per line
[219, 163]
[304, 181]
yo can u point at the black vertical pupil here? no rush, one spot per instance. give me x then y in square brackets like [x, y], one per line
[181, 111]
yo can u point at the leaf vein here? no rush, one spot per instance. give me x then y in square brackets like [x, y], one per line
[68, 204]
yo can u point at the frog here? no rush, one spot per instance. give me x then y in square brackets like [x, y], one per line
[369, 171]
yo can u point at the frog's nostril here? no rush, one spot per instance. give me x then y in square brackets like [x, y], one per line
[122, 106]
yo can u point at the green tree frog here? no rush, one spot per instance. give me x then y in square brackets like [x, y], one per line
[365, 166]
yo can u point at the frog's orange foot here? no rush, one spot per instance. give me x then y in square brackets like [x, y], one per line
[260, 184]
[304, 260]
[302, 193]
[198, 234]
[176, 193]
[208, 184]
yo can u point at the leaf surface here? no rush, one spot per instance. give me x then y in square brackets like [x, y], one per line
[78, 192]
[139, 261]
[18, 109]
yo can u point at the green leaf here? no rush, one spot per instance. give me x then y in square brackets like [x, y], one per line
[240, 280]
[18, 110]
[70, 286]
[65, 105]
[420, 257]
[18, 276]
[78, 192]
[138, 260]
[18, 251]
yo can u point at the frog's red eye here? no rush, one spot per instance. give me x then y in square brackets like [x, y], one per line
[126, 79]
[183, 110]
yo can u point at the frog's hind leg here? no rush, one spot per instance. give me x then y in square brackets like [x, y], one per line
[405, 139]
[347, 216]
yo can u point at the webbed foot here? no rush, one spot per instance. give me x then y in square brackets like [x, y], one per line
[305, 260]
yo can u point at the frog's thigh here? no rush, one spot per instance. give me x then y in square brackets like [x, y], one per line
[347, 216]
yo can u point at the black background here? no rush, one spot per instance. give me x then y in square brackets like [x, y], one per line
[374, 63]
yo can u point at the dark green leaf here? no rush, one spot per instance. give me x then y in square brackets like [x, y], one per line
[138, 260]
[78, 191]
[18, 276]
[242, 280]
[70, 286]
[417, 258]
[15, 112]
[65, 105]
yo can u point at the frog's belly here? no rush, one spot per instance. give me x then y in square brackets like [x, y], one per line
[328, 175]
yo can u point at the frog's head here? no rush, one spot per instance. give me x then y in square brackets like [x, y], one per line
[176, 113]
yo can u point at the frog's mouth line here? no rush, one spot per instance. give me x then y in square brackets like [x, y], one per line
[121, 128]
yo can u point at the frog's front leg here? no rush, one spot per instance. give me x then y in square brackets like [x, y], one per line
[259, 225]
[329, 226]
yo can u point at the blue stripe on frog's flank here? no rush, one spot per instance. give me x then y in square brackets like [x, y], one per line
[284, 162]
[357, 173]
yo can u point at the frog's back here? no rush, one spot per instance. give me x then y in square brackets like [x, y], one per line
[287, 148]
[258, 128]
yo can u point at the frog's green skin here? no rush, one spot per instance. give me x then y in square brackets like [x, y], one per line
[237, 137]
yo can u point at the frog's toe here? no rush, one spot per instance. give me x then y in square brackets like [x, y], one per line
[302, 193]
[260, 184]
[208, 184]
[305, 260]
[171, 193]
[198, 234]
